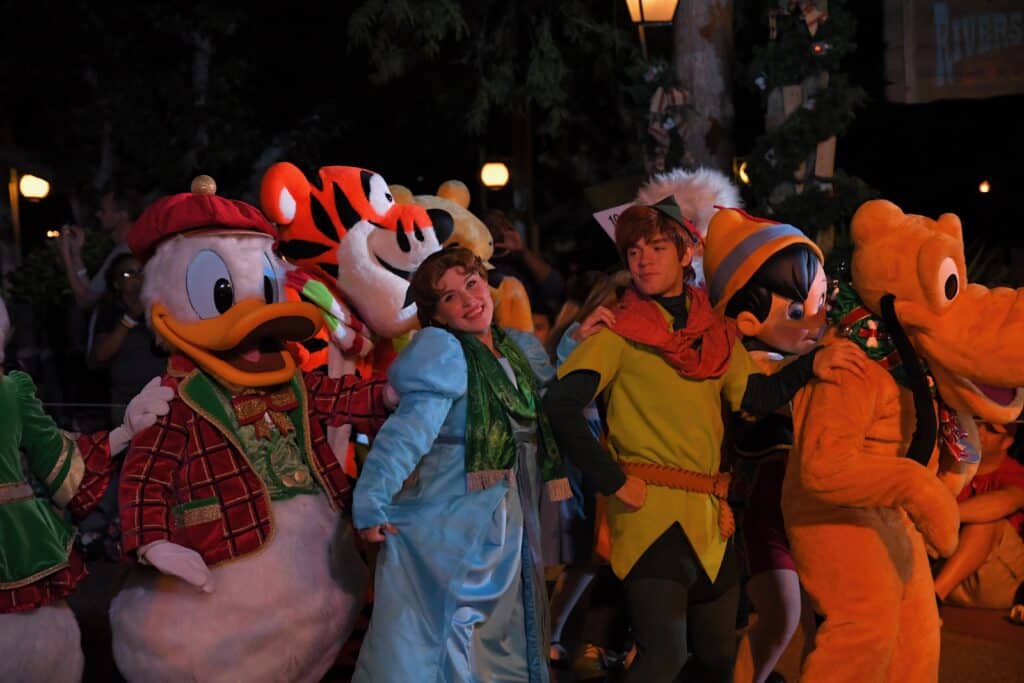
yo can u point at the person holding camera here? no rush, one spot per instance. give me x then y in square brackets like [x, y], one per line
[116, 215]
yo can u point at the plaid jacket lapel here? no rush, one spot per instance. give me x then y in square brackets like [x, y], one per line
[200, 393]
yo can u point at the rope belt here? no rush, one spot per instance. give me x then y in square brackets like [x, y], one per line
[686, 480]
[10, 493]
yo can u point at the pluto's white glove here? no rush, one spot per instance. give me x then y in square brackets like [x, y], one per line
[142, 411]
[177, 560]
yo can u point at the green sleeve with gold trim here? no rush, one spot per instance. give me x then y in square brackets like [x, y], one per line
[51, 454]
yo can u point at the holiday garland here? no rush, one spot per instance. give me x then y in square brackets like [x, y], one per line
[804, 43]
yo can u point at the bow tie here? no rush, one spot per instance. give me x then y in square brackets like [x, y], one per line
[251, 408]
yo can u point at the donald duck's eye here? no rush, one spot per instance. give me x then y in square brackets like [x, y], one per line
[208, 284]
[223, 295]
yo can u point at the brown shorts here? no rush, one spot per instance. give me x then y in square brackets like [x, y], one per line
[993, 584]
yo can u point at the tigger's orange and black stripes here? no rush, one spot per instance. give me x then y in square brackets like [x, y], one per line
[347, 231]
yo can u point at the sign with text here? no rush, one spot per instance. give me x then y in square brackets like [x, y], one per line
[609, 217]
[947, 49]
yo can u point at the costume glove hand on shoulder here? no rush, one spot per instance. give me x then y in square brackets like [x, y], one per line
[839, 355]
[141, 413]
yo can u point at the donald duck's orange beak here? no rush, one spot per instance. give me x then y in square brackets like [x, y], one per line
[243, 346]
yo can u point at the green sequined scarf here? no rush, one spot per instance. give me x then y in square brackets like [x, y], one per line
[491, 400]
[867, 331]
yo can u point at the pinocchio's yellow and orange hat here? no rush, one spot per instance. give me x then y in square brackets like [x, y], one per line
[737, 245]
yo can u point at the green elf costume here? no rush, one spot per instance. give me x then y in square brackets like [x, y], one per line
[47, 475]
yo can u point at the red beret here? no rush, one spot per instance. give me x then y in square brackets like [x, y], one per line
[188, 211]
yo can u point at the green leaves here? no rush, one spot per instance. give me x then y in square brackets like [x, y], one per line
[399, 35]
[790, 59]
[497, 55]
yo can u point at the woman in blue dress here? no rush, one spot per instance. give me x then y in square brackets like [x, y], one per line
[452, 489]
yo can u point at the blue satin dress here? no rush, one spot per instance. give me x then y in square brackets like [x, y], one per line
[459, 593]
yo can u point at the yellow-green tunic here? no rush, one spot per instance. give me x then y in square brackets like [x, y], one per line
[656, 416]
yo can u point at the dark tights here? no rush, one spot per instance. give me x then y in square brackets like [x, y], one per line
[668, 591]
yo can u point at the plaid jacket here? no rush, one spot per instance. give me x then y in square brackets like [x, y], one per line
[187, 479]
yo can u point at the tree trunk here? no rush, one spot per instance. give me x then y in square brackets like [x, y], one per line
[703, 60]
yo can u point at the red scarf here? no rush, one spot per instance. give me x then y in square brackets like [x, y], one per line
[701, 350]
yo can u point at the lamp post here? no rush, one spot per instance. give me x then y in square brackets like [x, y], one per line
[28, 186]
[650, 13]
[12, 194]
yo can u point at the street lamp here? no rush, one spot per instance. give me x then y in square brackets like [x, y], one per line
[650, 13]
[33, 187]
[494, 175]
[28, 186]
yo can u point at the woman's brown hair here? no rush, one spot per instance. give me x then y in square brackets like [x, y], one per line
[423, 285]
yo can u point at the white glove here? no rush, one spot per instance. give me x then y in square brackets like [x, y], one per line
[177, 560]
[142, 411]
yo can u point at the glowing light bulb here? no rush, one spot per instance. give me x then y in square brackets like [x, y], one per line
[985, 187]
[494, 175]
[33, 187]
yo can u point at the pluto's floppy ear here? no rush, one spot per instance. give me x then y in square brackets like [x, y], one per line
[283, 189]
[874, 218]
[949, 223]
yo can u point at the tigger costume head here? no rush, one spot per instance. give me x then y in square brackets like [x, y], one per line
[349, 231]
